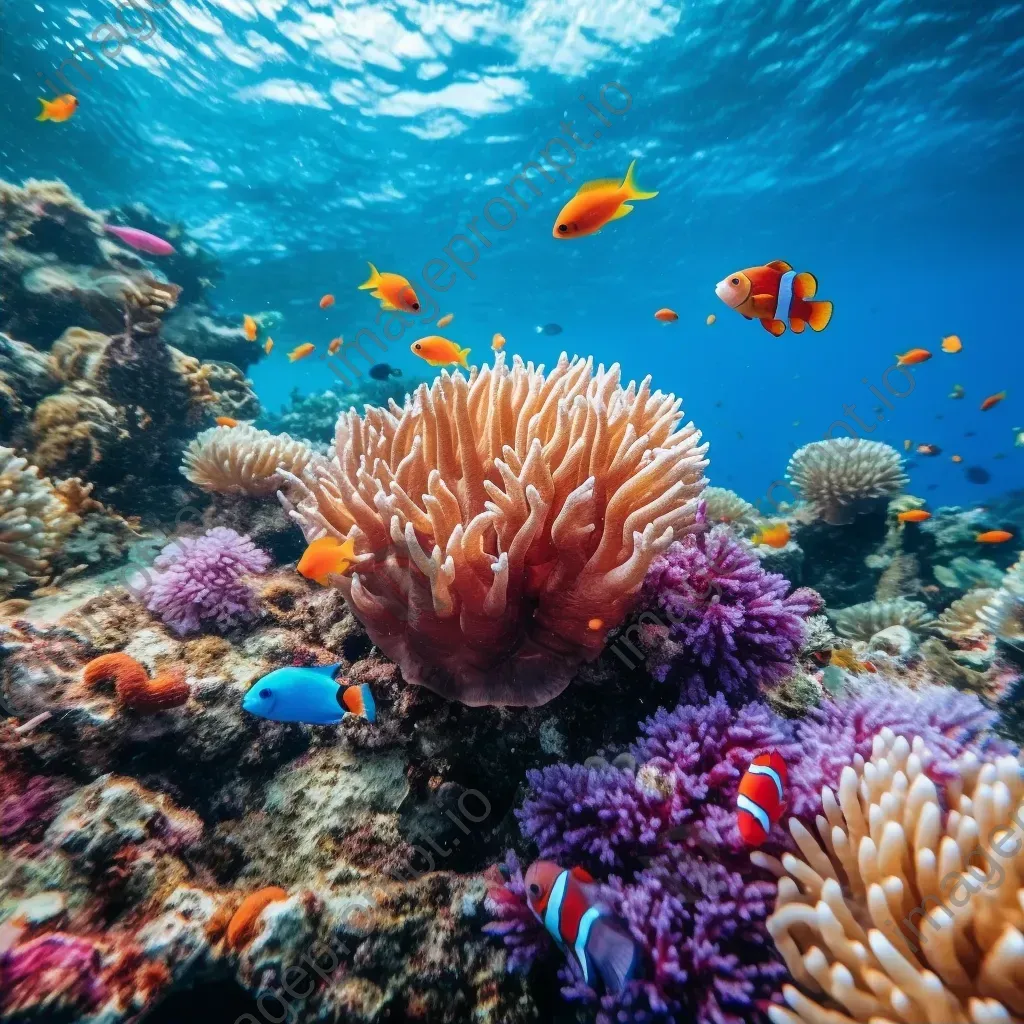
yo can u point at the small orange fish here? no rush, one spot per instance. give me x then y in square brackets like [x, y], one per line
[268, 346]
[992, 400]
[250, 327]
[761, 800]
[666, 315]
[869, 666]
[913, 356]
[929, 449]
[446, 320]
[332, 349]
[775, 536]
[711, 319]
[327, 301]
[595, 624]
[60, 110]
[952, 344]
[958, 458]
[776, 294]
[301, 352]
[994, 537]
[844, 658]
[438, 351]
[326, 557]
[596, 204]
[914, 515]
[498, 342]
[226, 421]
[393, 290]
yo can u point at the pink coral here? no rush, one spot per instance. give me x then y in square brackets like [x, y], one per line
[26, 812]
[53, 977]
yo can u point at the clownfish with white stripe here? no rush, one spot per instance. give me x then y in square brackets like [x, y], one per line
[775, 294]
[566, 901]
[761, 802]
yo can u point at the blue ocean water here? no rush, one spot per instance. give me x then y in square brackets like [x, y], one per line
[876, 144]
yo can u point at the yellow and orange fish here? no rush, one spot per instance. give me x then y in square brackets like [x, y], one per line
[332, 348]
[598, 203]
[994, 537]
[226, 421]
[327, 557]
[250, 327]
[327, 301]
[992, 400]
[952, 344]
[301, 351]
[774, 294]
[913, 356]
[774, 536]
[393, 290]
[446, 320]
[268, 346]
[60, 110]
[438, 351]
[498, 342]
[914, 515]
[711, 319]
[844, 658]
[666, 315]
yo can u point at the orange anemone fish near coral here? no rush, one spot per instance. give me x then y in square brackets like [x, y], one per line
[226, 421]
[994, 537]
[567, 902]
[60, 110]
[250, 327]
[327, 301]
[992, 400]
[774, 294]
[761, 800]
[774, 536]
[952, 344]
[301, 351]
[914, 515]
[913, 356]
[393, 291]
[332, 348]
[497, 342]
[666, 315]
[598, 203]
[327, 557]
[438, 351]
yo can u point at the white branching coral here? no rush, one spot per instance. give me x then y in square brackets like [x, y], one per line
[1004, 614]
[863, 621]
[844, 476]
[725, 506]
[503, 523]
[33, 520]
[244, 460]
[908, 906]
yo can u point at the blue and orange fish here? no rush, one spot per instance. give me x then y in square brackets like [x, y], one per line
[774, 294]
[761, 802]
[566, 901]
[312, 695]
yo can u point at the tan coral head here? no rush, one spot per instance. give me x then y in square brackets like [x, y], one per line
[495, 516]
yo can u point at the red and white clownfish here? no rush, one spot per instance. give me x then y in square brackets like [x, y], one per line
[566, 902]
[774, 294]
[762, 797]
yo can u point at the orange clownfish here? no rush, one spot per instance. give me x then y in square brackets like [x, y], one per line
[596, 204]
[327, 301]
[226, 421]
[913, 356]
[994, 537]
[992, 400]
[952, 344]
[497, 342]
[332, 348]
[774, 294]
[775, 536]
[327, 557]
[438, 351]
[567, 902]
[914, 515]
[393, 290]
[446, 320]
[268, 346]
[60, 110]
[301, 351]
[666, 315]
[761, 801]
[250, 327]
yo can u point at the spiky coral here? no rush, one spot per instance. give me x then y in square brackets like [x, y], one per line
[843, 476]
[495, 517]
[863, 621]
[730, 625]
[196, 580]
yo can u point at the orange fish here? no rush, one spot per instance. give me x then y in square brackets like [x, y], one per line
[915, 515]
[992, 400]
[929, 449]
[913, 356]
[958, 458]
[952, 344]
[438, 351]
[327, 301]
[498, 342]
[250, 327]
[446, 320]
[326, 557]
[844, 658]
[774, 294]
[393, 290]
[301, 352]
[666, 316]
[711, 319]
[994, 537]
[596, 204]
[761, 801]
[226, 421]
[332, 349]
[268, 346]
[60, 110]
[775, 536]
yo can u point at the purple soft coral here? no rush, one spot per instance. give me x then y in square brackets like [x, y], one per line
[202, 579]
[733, 628]
[56, 974]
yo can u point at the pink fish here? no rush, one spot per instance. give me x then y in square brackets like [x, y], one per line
[142, 240]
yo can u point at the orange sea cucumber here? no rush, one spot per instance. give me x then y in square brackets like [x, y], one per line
[242, 927]
[135, 690]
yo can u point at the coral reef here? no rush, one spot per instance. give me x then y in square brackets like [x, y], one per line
[863, 621]
[840, 478]
[733, 628]
[960, 622]
[495, 518]
[1004, 614]
[725, 506]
